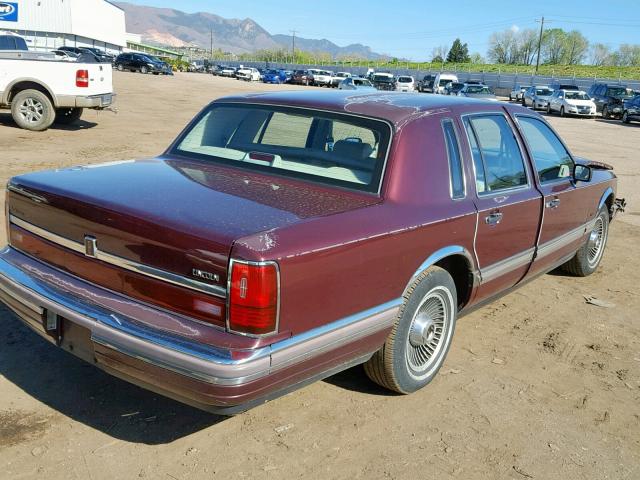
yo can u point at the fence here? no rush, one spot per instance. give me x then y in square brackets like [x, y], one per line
[498, 81]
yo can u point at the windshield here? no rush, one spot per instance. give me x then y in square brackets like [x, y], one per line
[382, 78]
[405, 79]
[544, 92]
[342, 75]
[444, 81]
[323, 147]
[272, 72]
[576, 96]
[619, 92]
[479, 89]
[362, 82]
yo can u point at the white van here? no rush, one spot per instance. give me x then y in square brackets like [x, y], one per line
[441, 81]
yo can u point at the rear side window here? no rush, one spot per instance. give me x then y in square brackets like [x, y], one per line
[329, 148]
[497, 157]
[455, 160]
[552, 159]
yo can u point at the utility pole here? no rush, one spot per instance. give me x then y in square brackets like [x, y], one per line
[293, 45]
[211, 33]
[539, 43]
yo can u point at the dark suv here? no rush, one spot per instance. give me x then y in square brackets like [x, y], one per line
[426, 84]
[610, 99]
[137, 62]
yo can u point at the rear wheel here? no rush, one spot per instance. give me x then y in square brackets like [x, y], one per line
[120, 67]
[32, 110]
[587, 259]
[549, 111]
[420, 339]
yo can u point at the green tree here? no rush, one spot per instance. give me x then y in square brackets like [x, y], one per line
[459, 52]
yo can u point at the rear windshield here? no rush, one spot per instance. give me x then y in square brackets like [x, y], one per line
[543, 92]
[481, 89]
[618, 92]
[405, 79]
[324, 147]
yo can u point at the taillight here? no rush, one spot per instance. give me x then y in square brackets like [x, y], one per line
[253, 297]
[82, 78]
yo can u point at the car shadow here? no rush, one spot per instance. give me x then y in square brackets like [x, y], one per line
[7, 121]
[356, 380]
[90, 396]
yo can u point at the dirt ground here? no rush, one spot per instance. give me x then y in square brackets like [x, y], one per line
[539, 384]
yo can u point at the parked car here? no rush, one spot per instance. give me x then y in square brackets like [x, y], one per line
[452, 88]
[564, 86]
[356, 83]
[137, 62]
[426, 84]
[232, 318]
[477, 91]
[248, 74]
[12, 42]
[322, 78]
[631, 109]
[227, 71]
[274, 76]
[610, 99]
[57, 91]
[517, 92]
[441, 81]
[405, 83]
[99, 55]
[301, 77]
[339, 77]
[167, 69]
[65, 56]
[537, 97]
[384, 81]
[571, 102]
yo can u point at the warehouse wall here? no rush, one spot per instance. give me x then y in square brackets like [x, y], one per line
[55, 21]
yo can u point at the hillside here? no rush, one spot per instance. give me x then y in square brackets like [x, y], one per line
[174, 28]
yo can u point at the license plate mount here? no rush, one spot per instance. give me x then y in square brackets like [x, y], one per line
[53, 325]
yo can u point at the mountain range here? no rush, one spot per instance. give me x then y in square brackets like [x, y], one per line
[174, 28]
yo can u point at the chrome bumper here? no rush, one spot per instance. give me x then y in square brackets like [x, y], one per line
[28, 295]
[93, 101]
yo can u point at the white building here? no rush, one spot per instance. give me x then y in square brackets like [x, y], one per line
[50, 24]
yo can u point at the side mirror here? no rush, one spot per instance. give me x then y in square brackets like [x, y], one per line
[582, 173]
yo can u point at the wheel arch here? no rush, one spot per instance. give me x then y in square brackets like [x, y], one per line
[459, 263]
[27, 83]
[607, 198]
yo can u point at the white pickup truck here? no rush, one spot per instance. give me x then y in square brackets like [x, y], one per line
[40, 89]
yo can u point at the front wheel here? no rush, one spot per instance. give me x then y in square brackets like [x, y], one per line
[605, 112]
[420, 339]
[120, 67]
[549, 111]
[144, 69]
[625, 117]
[562, 114]
[587, 259]
[32, 110]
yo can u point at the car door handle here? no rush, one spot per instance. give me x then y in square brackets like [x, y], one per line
[555, 203]
[493, 218]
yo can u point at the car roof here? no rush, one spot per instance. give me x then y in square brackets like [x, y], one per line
[394, 107]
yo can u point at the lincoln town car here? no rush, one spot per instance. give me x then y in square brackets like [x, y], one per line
[286, 236]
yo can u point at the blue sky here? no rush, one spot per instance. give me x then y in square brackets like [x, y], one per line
[412, 28]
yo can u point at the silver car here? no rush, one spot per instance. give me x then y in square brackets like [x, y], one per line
[355, 83]
[537, 97]
[517, 92]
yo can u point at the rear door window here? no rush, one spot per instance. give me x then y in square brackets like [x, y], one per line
[498, 161]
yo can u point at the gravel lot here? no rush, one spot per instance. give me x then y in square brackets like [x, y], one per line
[539, 384]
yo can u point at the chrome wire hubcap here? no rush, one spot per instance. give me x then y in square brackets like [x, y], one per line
[596, 241]
[31, 110]
[428, 331]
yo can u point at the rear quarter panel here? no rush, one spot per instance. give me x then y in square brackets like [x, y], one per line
[338, 265]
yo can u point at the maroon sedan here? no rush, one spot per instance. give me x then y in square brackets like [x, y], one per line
[284, 237]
